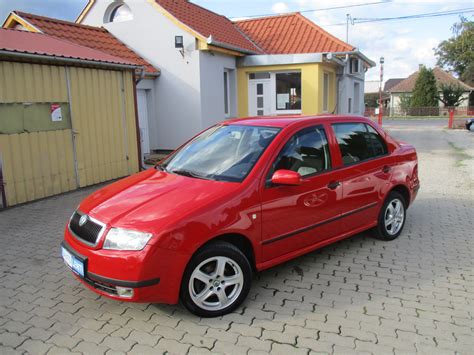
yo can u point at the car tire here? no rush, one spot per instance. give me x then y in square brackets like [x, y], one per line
[391, 218]
[216, 281]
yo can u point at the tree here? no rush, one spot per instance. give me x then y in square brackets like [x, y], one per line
[451, 95]
[405, 103]
[457, 53]
[425, 93]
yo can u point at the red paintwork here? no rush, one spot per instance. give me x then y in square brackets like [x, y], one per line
[286, 177]
[184, 213]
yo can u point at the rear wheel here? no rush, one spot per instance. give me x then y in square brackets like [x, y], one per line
[216, 281]
[391, 218]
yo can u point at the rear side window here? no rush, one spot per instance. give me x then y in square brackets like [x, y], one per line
[358, 142]
[307, 152]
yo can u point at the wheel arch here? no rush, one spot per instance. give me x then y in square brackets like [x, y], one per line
[240, 241]
[404, 191]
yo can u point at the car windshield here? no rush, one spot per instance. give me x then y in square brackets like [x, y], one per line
[223, 152]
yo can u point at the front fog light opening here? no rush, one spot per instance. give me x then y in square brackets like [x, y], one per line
[124, 292]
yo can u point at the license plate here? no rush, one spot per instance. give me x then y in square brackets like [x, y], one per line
[75, 264]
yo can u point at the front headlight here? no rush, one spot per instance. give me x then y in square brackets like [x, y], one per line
[124, 239]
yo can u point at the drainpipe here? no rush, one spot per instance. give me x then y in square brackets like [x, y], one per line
[137, 125]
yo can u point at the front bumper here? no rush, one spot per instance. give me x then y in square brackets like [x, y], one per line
[105, 270]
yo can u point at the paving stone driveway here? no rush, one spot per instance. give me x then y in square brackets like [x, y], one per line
[360, 295]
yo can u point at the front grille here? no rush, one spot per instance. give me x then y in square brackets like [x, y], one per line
[89, 232]
[101, 286]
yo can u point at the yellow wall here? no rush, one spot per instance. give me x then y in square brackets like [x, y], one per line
[41, 164]
[311, 85]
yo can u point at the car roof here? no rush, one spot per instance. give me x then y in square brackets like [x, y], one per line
[291, 120]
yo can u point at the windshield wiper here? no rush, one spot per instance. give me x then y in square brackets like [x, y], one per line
[188, 174]
[161, 167]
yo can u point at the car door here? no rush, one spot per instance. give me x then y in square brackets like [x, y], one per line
[294, 217]
[366, 168]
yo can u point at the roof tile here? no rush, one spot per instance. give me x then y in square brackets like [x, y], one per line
[207, 23]
[442, 77]
[291, 34]
[93, 37]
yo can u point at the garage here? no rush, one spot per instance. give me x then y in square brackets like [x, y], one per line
[67, 117]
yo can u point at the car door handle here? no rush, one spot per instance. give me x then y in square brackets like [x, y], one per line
[334, 185]
[386, 169]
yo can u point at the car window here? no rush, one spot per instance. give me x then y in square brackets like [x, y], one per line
[306, 152]
[358, 142]
[223, 152]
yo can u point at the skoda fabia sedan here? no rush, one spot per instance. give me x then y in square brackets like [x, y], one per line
[240, 197]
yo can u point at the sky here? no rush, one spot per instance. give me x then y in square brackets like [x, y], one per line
[403, 43]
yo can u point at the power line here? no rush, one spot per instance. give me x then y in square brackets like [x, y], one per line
[328, 8]
[357, 20]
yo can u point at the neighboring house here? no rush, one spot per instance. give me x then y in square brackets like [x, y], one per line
[102, 40]
[67, 117]
[213, 68]
[406, 86]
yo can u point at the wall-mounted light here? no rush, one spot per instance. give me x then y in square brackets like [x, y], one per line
[179, 44]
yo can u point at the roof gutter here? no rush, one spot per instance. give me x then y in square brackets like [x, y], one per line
[357, 53]
[211, 41]
[64, 60]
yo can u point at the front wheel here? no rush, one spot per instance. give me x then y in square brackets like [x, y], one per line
[216, 280]
[391, 218]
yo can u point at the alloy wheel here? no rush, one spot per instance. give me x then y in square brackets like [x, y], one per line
[394, 216]
[216, 283]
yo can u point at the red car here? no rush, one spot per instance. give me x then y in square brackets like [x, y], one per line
[240, 197]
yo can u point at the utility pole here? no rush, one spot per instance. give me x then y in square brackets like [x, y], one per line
[348, 20]
[382, 60]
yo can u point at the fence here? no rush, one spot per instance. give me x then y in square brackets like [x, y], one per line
[461, 111]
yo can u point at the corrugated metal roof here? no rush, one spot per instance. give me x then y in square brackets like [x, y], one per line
[291, 34]
[41, 44]
[94, 37]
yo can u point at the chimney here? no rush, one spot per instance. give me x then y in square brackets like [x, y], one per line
[420, 66]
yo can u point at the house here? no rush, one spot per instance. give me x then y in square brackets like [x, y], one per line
[212, 68]
[100, 39]
[406, 86]
[67, 116]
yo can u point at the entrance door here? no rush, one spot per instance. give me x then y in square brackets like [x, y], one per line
[259, 98]
[143, 121]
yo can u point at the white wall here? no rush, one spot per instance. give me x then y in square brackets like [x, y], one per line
[176, 93]
[346, 90]
[212, 67]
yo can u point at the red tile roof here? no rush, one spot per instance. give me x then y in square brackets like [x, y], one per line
[291, 34]
[207, 23]
[38, 43]
[93, 37]
[442, 77]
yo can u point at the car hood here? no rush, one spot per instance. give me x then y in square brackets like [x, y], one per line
[153, 196]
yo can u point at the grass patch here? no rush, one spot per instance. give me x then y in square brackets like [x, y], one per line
[461, 153]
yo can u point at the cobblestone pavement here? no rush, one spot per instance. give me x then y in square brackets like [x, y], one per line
[415, 294]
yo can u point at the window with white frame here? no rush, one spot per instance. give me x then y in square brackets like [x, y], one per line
[226, 94]
[288, 91]
[354, 63]
[326, 92]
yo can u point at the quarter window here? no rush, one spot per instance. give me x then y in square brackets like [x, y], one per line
[307, 153]
[358, 142]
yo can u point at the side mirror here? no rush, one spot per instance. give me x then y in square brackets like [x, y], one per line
[286, 177]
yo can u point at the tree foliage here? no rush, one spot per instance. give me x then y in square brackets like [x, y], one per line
[405, 103]
[451, 95]
[457, 53]
[425, 93]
